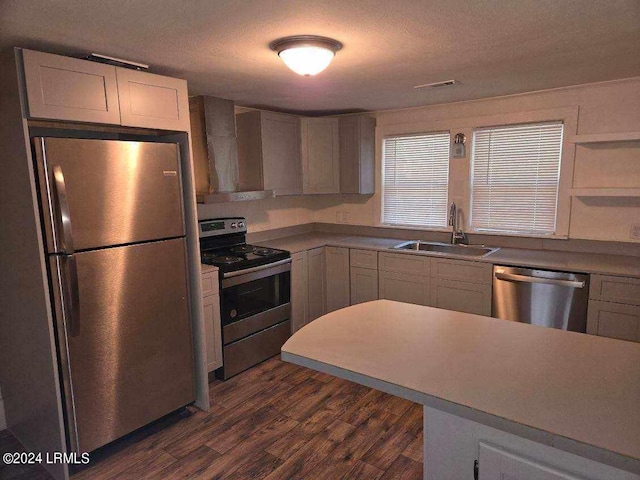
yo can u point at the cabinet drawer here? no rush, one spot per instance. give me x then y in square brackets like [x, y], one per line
[614, 320]
[461, 296]
[402, 263]
[404, 288]
[152, 101]
[466, 271]
[363, 258]
[209, 283]
[64, 88]
[615, 289]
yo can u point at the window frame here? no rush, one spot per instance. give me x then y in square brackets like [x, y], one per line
[522, 233]
[466, 121]
[380, 216]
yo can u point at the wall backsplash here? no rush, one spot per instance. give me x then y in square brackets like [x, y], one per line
[266, 214]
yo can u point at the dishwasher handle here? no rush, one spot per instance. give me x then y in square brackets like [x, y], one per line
[512, 277]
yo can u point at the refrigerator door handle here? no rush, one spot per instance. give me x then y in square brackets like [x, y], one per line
[61, 206]
[71, 294]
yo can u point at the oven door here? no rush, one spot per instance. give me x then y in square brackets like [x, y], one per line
[255, 299]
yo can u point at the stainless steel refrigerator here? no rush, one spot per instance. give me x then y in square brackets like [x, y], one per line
[113, 219]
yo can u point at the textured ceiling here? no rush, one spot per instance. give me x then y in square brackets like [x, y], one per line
[492, 47]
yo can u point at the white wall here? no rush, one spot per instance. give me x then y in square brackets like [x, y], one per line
[600, 108]
[264, 214]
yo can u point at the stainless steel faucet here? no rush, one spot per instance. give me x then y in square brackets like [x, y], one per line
[457, 235]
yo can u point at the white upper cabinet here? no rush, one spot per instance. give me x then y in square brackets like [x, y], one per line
[70, 89]
[64, 88]
[357, 154]
[269, 151]
[152, 101]
[320, 155]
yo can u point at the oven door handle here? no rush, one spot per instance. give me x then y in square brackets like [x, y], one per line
[256, 269]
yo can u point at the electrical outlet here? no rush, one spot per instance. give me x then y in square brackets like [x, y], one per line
[345, 217]
[634, 232]
[339, 217]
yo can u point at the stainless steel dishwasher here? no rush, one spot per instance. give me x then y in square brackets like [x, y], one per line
[541, 297]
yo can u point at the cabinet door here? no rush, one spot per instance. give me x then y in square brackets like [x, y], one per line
[299, 290]
[364, 285]
[152, 101]
[212, 331]
[316, 283]
[614, 320]
[281, 153]
[63, 88]
[320, 155]
[403, 287]
[357, 159]
[337, 284]
[461, 296]
[496, 463]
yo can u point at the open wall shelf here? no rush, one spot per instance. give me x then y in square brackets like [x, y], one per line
[605, 192]
[606, 137]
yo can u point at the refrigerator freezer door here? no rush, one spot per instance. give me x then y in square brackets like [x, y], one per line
[108, 192]
[131, 359]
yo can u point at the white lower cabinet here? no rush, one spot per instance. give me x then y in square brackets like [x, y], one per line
[404, 278]
[299, 290]
[453, 444]
[614, 307]
[461, 296]
[403, 287]
[364, 285]
[317, 283]
[212, 324]
[337, 278]
[307, 287]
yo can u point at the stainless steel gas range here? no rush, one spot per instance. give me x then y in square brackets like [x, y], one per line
[255, 285]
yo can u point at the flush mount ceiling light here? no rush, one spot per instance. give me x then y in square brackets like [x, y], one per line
[306, 54]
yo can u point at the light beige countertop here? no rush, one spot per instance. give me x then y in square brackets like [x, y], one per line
[204, 268]
[578, 393]
[546, 259]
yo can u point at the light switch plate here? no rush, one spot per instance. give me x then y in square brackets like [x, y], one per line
[634, 231]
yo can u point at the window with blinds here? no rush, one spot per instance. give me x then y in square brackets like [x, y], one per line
[416, 180]
[515, 174]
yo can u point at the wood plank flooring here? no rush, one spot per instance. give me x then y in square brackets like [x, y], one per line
[276, 421]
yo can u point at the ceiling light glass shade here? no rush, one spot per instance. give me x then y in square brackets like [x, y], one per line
[307, 60]
[306, 54]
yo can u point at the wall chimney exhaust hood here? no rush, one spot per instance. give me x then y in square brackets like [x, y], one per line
[218, 175]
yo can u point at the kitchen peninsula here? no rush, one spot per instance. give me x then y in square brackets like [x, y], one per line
[526, 401]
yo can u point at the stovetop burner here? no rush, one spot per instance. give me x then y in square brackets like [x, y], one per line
[264, 252]
[225, 259]
[223, 243]
[243, 249]
[242, 256]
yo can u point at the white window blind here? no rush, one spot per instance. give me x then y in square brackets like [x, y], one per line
[416, 180]
[515, 174]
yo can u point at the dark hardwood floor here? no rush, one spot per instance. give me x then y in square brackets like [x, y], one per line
[276, 421]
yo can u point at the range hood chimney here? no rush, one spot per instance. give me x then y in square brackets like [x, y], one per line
[215, 153]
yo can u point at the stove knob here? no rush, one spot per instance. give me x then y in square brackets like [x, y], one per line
[233, 225]
[240, 224]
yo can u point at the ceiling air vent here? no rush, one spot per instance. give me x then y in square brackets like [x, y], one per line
[446, 83]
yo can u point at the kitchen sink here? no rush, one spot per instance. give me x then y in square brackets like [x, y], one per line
[446, 248]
